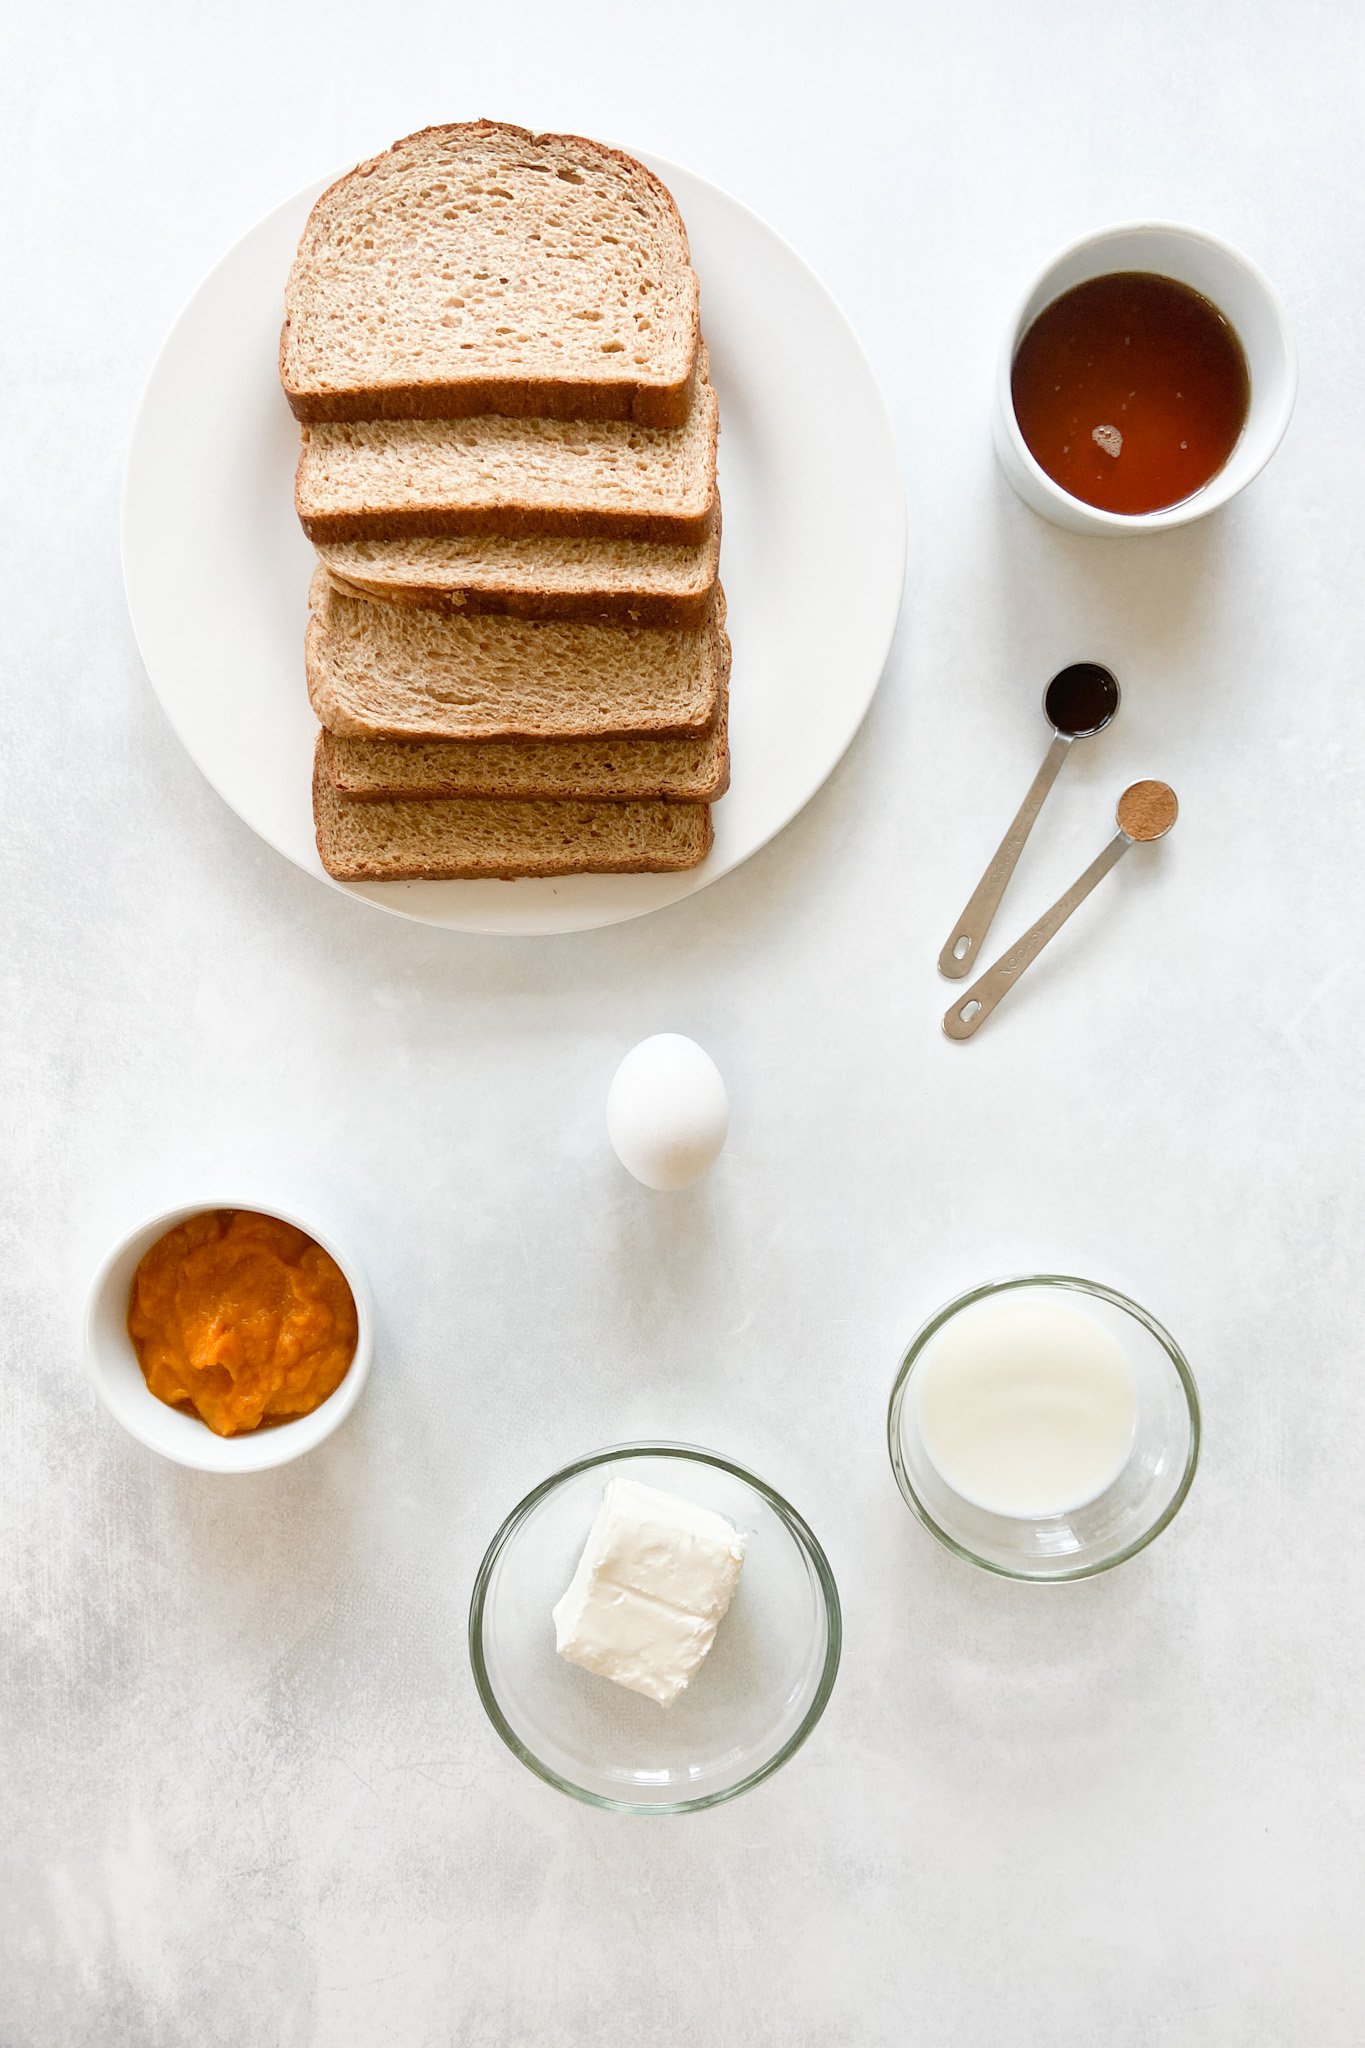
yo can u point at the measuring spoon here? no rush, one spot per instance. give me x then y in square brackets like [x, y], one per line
[1146, 811]
[1079, 702]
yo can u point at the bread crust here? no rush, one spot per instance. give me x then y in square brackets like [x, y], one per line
[642, 786]
[519, 398]
[601, 604]
[336, 718]
[329, 810]
[574, 607]
[514, 522]
[649, 401]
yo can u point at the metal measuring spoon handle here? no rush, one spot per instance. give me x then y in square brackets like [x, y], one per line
[1079, 701]
[959, 955]
[1146, 811]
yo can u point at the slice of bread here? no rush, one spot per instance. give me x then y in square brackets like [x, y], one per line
[378, 671]
[479, 268]
[391, 479]
[594, 581]
[469, 839]
[676, 771]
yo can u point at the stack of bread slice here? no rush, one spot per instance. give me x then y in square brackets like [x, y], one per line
[516, 642]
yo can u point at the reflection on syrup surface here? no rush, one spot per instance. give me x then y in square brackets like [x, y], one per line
[1130, 391]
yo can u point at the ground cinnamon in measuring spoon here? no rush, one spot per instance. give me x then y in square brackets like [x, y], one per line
[1147, 810]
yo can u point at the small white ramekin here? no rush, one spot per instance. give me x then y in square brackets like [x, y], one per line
[1239, 290]
[117, 1376]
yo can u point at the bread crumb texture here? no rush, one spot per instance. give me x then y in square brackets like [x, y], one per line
[394, 672]
[690, 770]
[484, 250]
[482, 469]
[539, 577]
[459, 839]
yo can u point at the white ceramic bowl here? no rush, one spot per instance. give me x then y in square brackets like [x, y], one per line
[113, 1365]
[1239, 290]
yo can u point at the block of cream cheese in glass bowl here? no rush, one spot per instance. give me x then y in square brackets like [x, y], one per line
[652, 1586]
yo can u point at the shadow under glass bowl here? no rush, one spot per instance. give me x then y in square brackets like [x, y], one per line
[749, 1708]
[1104, 1532]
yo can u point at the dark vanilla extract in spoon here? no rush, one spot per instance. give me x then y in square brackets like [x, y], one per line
[1078, 702]
[1131, 391]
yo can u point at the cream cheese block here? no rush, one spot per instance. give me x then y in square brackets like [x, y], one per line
[653, 1585]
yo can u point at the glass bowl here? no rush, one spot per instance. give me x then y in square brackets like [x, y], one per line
[1120, 1521]
[751, 1705]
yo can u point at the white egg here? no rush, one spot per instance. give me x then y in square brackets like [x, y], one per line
[667, 1111]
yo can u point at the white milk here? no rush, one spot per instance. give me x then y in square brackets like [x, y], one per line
[1026, 1405]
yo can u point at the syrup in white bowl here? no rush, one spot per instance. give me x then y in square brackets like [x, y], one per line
[1027, 1406]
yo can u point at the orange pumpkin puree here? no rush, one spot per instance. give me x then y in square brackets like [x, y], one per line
[241, 1318]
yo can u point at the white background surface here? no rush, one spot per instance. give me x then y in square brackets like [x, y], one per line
[250, 1796]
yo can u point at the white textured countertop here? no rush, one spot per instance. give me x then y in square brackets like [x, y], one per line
[251, 1797]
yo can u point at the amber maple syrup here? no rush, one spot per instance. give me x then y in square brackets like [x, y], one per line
[1131, 391]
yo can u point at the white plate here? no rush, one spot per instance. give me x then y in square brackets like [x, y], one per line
[813, 556]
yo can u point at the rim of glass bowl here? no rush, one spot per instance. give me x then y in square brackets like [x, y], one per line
[1075, 1285]
[786, 1513]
